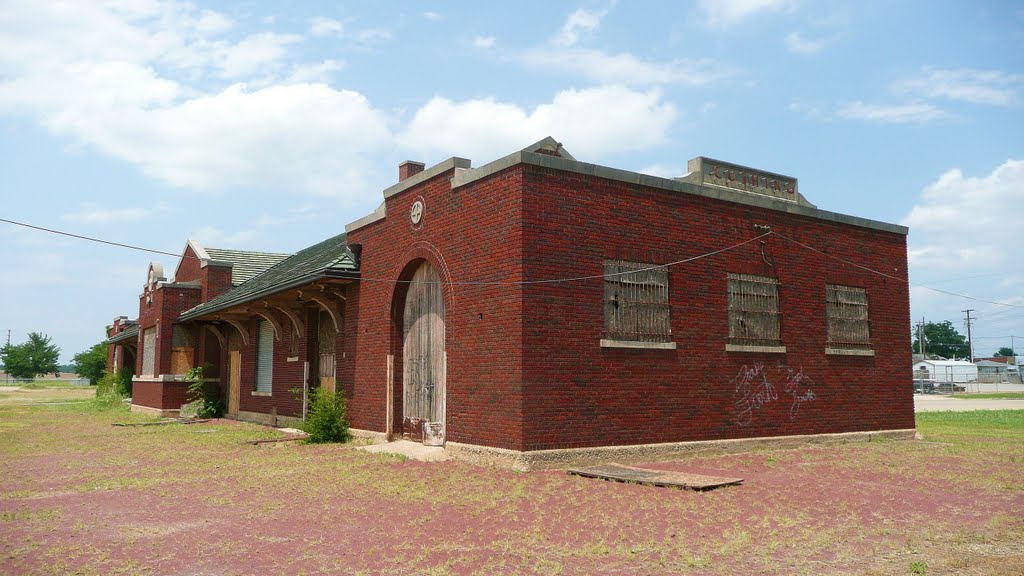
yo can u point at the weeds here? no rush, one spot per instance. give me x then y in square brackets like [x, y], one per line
[327, 420]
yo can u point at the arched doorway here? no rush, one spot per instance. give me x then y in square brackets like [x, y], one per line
[423, 358]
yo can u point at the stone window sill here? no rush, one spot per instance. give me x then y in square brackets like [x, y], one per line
[606, 343]
[262, 393]
[849, 352]
[758, 349]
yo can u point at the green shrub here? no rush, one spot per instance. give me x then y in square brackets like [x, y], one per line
[110, 384]
[327, 418]
[208, 395]
[108, 399]
[127, 375]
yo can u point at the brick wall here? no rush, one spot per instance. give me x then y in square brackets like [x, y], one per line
[216, 280]
[159, 308]
[188, 267]
[287, 376]
[579, 394]
[472, 233]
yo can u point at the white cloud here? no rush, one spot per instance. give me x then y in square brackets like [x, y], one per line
[91, 213]
[313, 73]
[959, 223]
[365, 38]
[913, 113]
[486, 128]
[321, 27]
[484, 41]
[991, 87]
[799, 45]
[432, 16]
[211, 22]
[97, 75]
[220, 238]
[254, 54]
[625, 68]
[725, 13]
[579, 22]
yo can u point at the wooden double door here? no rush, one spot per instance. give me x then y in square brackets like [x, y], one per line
[423, 358]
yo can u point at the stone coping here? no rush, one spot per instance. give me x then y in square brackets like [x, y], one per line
[559, 459]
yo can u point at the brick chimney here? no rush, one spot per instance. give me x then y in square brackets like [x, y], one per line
[409, 168]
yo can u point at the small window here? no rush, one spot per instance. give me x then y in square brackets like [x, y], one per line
[265, 357]
[754, 311]
[636, 302]
[846, 308]
[149, 352]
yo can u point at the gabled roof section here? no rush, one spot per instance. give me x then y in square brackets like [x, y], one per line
[331, 258]
[549, 146]
[245, 265]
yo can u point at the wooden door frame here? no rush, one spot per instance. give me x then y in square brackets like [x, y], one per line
[394, 361]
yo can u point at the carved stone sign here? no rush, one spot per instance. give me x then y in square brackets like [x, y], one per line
[733, 176]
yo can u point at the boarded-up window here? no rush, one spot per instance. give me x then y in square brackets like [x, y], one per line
[636, 304]
[183, 346]
[149, 352]
[754, 310]
[326, 343]
[264, 357]
[847, 312]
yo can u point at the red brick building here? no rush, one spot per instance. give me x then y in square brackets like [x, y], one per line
[538, 308]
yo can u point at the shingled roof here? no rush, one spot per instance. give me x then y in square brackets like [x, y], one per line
[129, 333]
[245, 265]
[331, 258]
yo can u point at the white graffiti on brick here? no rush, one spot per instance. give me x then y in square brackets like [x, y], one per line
[754, 390]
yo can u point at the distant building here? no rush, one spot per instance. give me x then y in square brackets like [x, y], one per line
[946, 371]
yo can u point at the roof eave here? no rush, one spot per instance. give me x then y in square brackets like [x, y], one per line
[294, 283]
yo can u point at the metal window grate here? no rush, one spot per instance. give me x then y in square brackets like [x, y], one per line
[754, 310]
[636, 302]
[847, 313]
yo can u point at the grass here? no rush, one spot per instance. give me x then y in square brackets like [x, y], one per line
[991, 396]
[46, 384]
[82, 496]
[1006, 424]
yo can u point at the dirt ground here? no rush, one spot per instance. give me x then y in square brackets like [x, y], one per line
[81, 496]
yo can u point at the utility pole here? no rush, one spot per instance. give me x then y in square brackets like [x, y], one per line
[920, 336]
[970, 343]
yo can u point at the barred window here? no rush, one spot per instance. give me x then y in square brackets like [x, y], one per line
[754, 310]
[846, 308]
[636, 304]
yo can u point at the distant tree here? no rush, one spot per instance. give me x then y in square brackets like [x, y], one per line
[943, 339]
[1005, 351]
[92, 363]
[32, 358]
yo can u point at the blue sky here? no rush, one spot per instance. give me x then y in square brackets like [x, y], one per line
[270, 125]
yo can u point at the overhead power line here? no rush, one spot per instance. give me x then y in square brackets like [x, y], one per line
[897, 278]
[569, 279]
[89, 238]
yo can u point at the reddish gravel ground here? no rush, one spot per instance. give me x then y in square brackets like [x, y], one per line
[80, 496]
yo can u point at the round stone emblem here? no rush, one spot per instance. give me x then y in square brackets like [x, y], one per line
[416, 212]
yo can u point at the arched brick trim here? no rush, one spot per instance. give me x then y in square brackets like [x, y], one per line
[404, 270]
